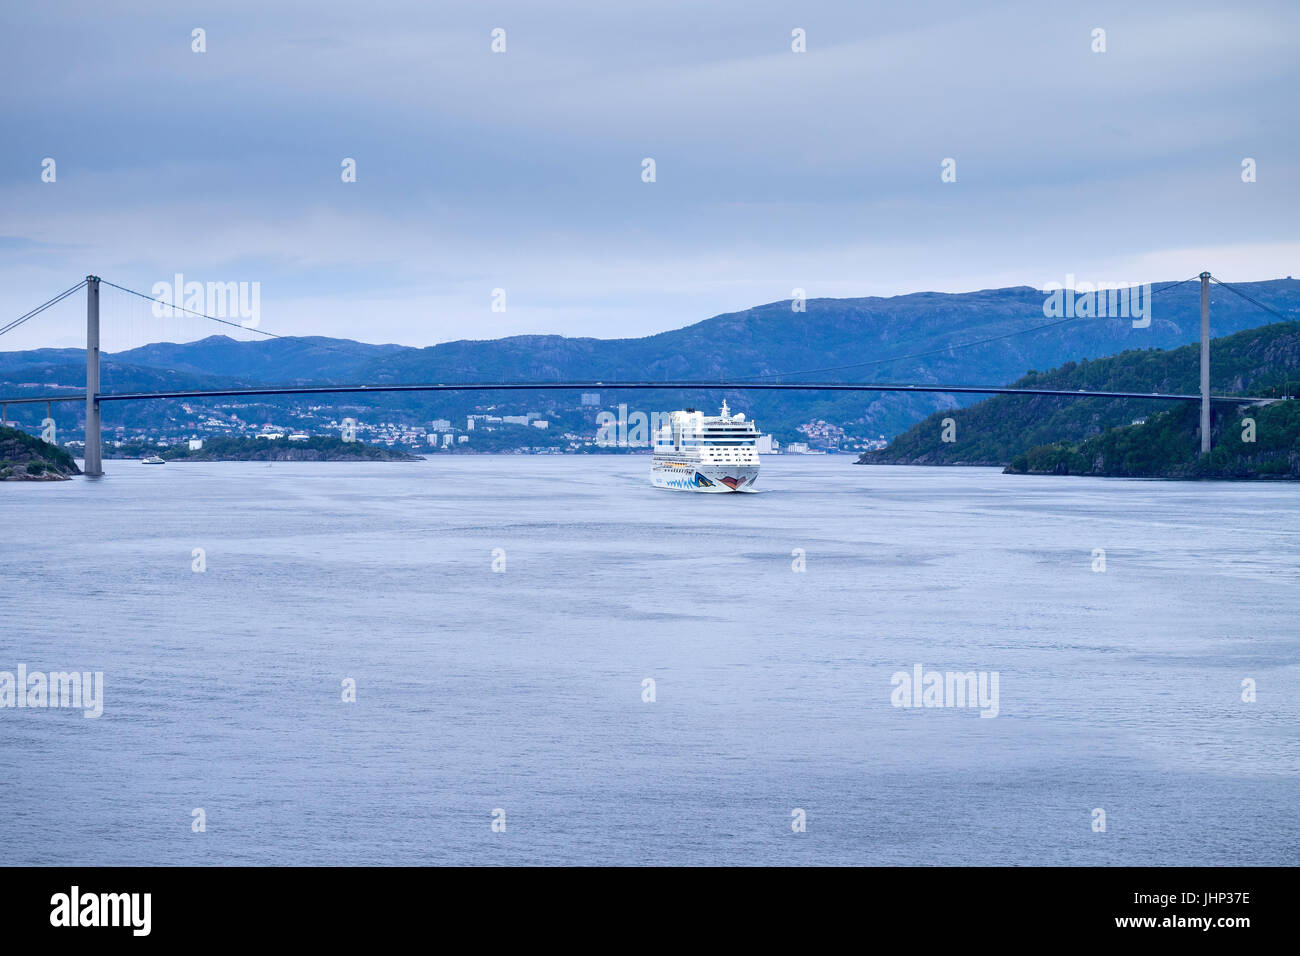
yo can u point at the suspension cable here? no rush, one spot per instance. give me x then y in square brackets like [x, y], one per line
[180, 308]
[41, 308]
[1266, 308]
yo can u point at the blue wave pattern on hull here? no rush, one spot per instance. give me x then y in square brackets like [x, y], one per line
[688, 484]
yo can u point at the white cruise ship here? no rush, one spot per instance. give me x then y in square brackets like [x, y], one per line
[695, 452]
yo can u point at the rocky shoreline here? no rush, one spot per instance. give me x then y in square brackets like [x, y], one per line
[24, 457]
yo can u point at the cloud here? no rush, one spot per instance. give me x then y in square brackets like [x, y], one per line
[522, 171]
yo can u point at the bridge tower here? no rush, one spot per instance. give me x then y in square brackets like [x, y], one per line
[1205, 363]
[94, 460]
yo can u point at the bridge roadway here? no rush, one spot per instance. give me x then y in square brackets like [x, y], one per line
[618, 386]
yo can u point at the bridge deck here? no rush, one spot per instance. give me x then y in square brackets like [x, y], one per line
[615, 386]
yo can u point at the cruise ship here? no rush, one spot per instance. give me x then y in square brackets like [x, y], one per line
[695, 452]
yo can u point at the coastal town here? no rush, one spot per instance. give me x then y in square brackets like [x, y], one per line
[486, 429]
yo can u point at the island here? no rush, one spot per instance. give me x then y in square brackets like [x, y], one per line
[25, 457]
[316, 448]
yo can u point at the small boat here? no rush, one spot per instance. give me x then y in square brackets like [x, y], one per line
[152, 460]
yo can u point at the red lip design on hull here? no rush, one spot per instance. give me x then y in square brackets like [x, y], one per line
[733, 483]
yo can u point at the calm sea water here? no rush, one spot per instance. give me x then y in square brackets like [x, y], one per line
[522, 689]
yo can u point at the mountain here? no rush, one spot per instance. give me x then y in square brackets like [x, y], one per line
[987, 337]
[281, 361]
[1262, 361]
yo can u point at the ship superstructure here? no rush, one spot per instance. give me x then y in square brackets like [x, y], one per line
[698, 452]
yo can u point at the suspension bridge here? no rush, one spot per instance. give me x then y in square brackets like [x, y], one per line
[94, 398]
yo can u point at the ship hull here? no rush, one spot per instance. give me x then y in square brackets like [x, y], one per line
[703, 478]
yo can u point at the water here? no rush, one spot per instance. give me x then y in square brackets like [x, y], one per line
[522, 690]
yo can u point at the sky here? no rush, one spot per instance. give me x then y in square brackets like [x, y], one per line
[523, 170]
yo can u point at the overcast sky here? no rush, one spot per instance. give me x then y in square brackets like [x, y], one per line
[522, 170]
